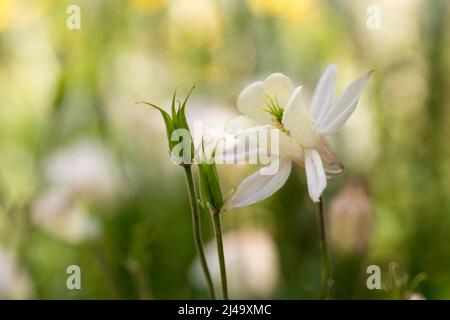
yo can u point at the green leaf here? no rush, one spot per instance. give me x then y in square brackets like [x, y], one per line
[173, 103]
[183, 106]
[167, 120]
[181, 114]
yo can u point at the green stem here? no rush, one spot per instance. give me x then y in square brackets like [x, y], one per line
[106, 268]
[327, 281]
[196, 228]
[220, 253]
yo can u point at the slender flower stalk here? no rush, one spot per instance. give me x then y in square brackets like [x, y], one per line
[196, 228]
[327, 280]
[220, 253]
[212, 198]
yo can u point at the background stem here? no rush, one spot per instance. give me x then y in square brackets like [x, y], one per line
[196, 229]
[220, 253]
[327, 281]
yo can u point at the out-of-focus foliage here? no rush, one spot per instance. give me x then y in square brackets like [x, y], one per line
[85, 175]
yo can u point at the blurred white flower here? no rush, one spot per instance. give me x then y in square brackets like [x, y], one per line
[15, 283]
[86, 169]
[351, 218]
[82, 174]
[252, 264]
[56, 212]
[417, 296]
[275, 104]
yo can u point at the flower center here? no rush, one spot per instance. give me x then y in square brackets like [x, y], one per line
[273, 108]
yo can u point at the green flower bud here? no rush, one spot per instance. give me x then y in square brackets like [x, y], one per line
[177, 129]
[209, 181]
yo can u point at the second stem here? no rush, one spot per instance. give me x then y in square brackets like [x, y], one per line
[220, 252]
[327, 280]
[196, 228]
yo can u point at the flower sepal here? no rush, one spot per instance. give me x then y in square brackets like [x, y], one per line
[211, 195]
[179, 139]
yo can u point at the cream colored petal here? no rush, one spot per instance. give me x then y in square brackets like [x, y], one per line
[240, 122]
[251, 102]
[248, 147]
[291, 149]
[315, 174]
[278, 86]
[326, 152]
[238, 153]
[258, 187]
[344, 107]
[323, 94]
[298, 121]
[254, 130]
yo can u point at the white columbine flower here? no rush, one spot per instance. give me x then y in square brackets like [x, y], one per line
[86, 169]
[276, 104]
[15, 282]
[56, 212]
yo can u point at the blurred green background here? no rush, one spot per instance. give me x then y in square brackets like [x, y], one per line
[85, 176]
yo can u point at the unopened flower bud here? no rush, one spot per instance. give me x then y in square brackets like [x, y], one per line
[177, 129]
[209, 181]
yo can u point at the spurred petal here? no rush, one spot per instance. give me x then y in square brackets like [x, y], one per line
[258, 187]
[323, 94]
[298, 121]
[278, 86]
[251, 102]
[239, 123]
[326, 152]
[344, 107]
[315, 174]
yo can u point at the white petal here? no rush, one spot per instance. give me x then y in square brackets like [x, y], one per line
[258, 187]
[323, 94]
[298, 121]
[251, 102]
[278, 86]
[315, 174]
[240, 122]
[344, 107]
[290, 149]
[247, 145]
[237, 152]
[326, 152]
[254, 130]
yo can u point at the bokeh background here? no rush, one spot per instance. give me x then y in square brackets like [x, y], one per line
[85, 177]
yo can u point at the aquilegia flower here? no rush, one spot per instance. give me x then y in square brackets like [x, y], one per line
[276, 104]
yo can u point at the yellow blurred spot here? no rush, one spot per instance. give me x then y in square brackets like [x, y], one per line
[150, 6]
[283, 9]
[6, 7]
[18, 13]
[196, 22]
